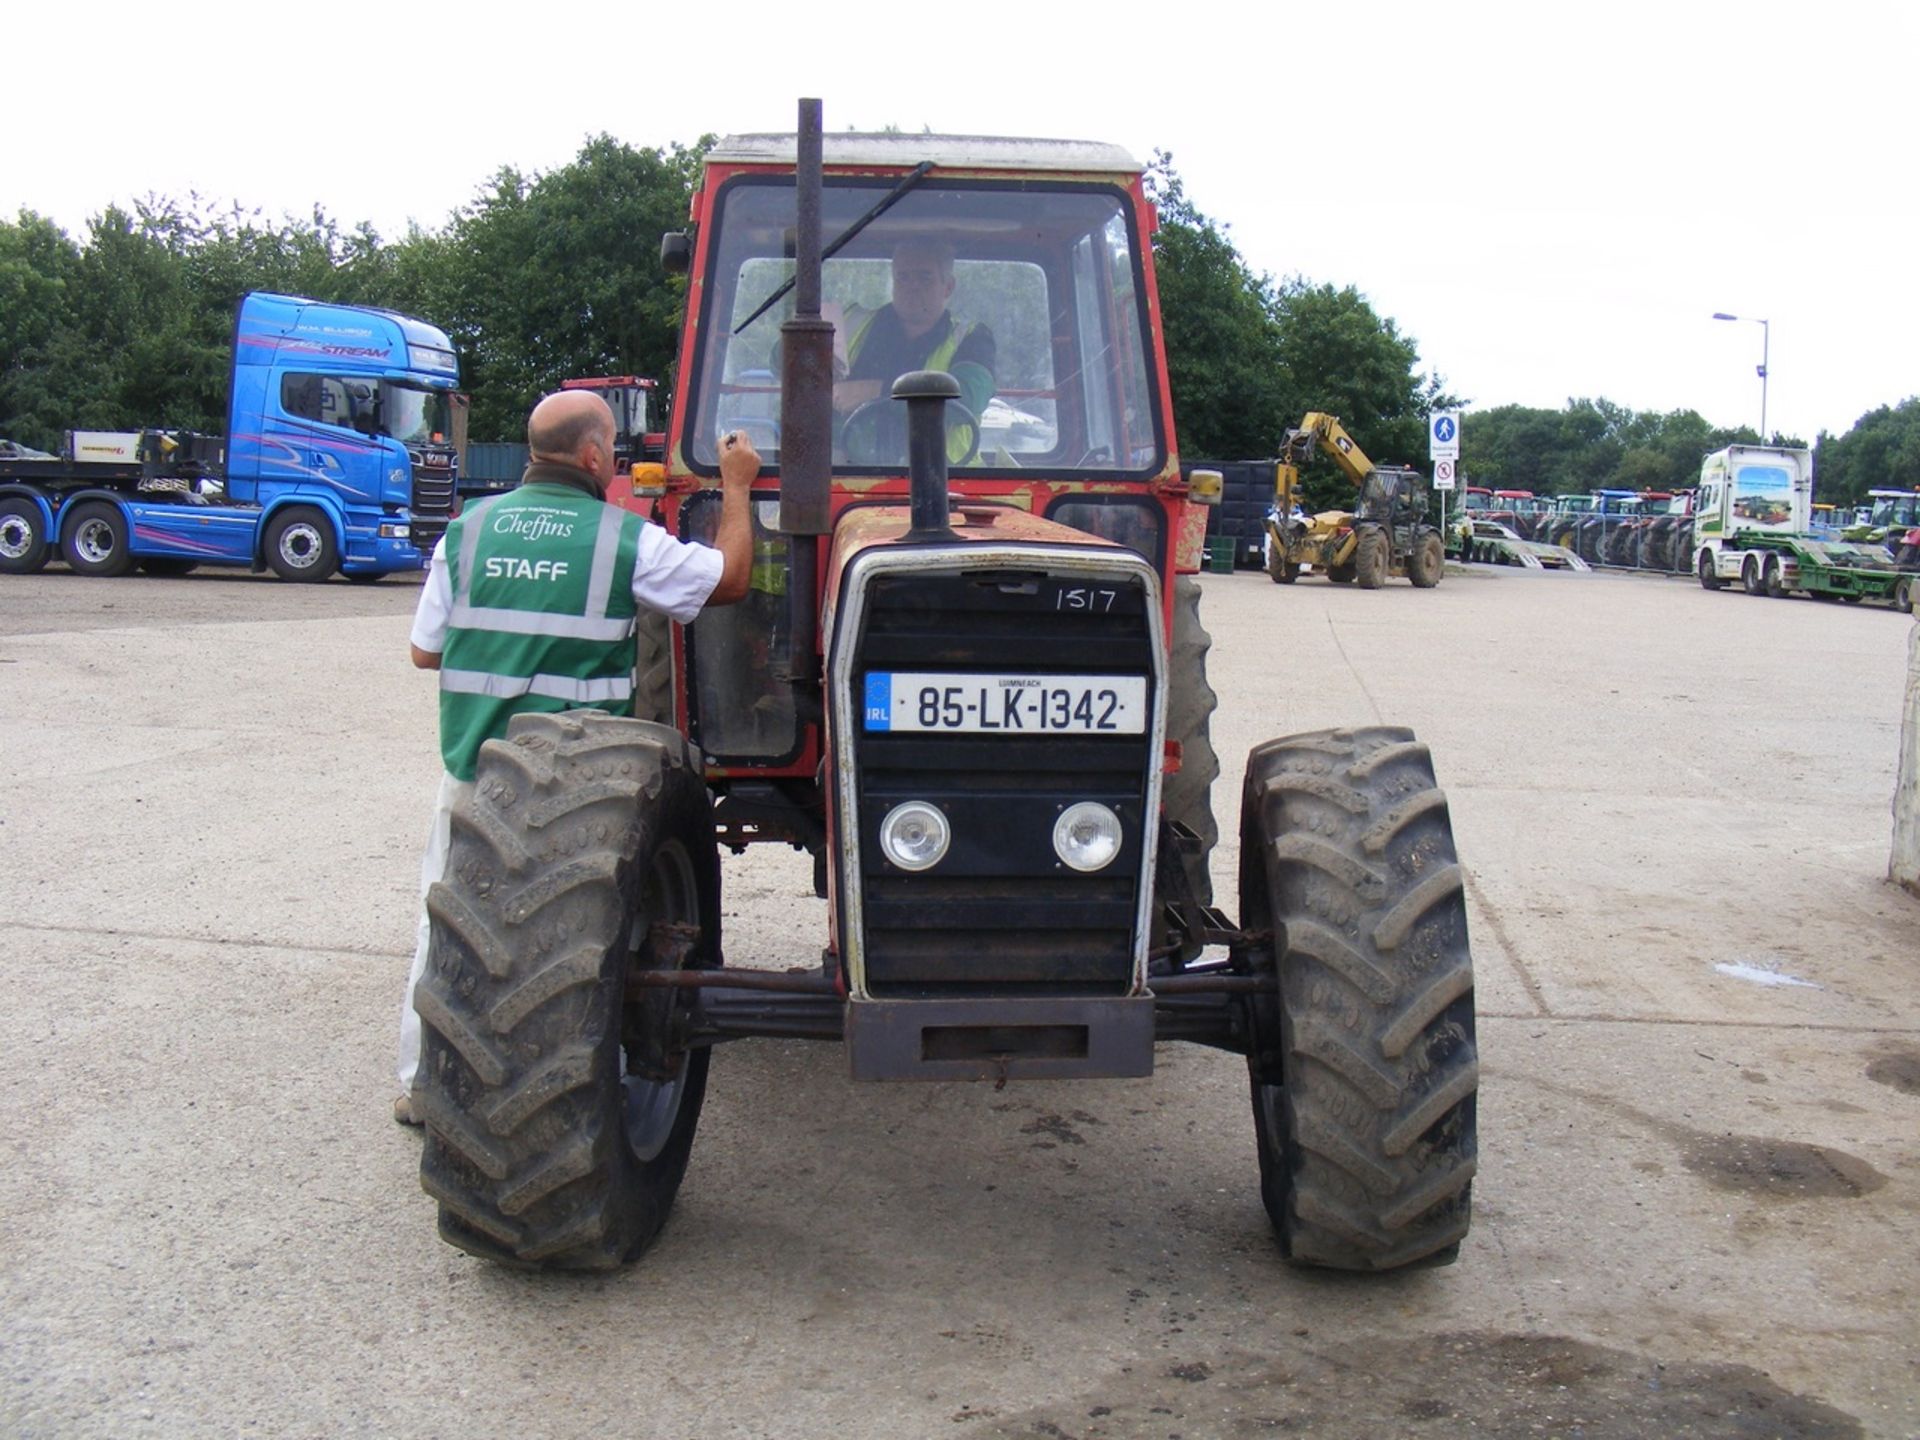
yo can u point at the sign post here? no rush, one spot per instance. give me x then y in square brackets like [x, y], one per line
[1443, 448]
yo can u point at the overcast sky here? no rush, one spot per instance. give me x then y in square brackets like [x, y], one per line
[1551, 199]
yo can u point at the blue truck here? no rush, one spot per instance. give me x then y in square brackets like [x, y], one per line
[339, 455]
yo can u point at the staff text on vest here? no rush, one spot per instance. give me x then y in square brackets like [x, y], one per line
[514, 567]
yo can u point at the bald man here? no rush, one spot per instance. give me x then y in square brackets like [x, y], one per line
[530, 607]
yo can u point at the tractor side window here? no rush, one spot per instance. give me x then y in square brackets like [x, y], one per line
[1137, 524]
[738, 654]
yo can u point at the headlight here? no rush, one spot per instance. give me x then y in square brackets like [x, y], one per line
[1087, 836]
[914, 835]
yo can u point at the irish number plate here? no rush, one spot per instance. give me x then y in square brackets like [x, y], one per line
[1017, 704]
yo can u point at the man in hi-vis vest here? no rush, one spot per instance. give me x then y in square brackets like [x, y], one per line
[915, 332]
[530, 607]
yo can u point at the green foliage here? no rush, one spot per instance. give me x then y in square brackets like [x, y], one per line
[1880, 452]
[1590, 445]
[540, 278]
[1247, 358]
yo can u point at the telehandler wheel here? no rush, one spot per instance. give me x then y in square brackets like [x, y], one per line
[94, 540]
[559, 1109]
[1370, 560]
[1281, 570]
[653, 668]
[1186, 795]
[1364, 1069]
[1709, 577]
[23, 538]
[1427, 563]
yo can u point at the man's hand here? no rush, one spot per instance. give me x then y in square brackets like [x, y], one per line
[739, 465]
[739, 461]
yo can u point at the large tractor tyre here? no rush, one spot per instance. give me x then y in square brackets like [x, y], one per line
[23, 538]
[559, 1114]
[300, 545]
[1370, 561]
[1186, 795]
[1427, 563]
[1364, 1068]
[94, 540]
[1709, 577]
[653, 668]
[1751, 579]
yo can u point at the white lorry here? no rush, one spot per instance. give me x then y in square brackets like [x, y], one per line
[1751, 523]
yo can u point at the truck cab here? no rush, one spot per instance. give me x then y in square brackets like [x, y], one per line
[348, 411]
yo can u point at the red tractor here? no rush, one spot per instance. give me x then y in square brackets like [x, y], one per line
[970, 679]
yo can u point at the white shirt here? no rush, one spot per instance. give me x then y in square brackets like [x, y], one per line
[669, 575]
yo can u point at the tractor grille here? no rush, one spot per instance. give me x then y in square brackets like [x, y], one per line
[1000, 913]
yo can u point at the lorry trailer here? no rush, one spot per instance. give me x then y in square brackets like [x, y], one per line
[338, 455]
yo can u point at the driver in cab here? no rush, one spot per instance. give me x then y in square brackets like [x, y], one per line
[915, 332]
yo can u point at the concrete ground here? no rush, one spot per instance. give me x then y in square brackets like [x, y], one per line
[1698, 1206]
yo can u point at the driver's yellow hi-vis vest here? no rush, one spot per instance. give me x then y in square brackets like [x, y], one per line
[959, 445]
[543, 614]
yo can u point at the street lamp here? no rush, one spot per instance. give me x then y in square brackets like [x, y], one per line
[1721, 315]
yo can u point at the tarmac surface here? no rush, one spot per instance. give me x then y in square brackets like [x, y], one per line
[1698, 1204]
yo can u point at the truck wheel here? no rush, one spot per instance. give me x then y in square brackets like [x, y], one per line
[653, 668]
[23, 538]
[559, 1113]
[1903, 593]
[1427, 563]
[1750, 580]
[1364, 1068]
[1186, 796]
[300, 545]
[94, 540]
[1370, 560]
[1771, 581]
[1709, 577]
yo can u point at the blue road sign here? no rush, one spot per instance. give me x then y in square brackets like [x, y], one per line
[1444, 429]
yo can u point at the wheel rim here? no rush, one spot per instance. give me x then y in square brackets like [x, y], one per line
[669, 894]
[16, 537]
[94, 541]
[300, 545]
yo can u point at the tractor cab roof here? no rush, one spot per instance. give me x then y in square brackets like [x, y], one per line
[955, 152]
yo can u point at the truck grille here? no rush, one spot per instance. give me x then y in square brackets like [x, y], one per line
[1000, 913]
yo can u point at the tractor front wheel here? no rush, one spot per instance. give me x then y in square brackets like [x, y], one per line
[1363, 1067]
[559, 1102]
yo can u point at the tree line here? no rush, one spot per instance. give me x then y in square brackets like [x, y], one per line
[549, 275]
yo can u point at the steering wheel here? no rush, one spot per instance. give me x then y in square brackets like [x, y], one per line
[875, 433]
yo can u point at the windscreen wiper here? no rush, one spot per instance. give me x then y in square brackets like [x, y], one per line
[912, 178]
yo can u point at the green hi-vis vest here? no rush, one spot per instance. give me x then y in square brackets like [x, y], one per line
[959, 445]
[543, 614]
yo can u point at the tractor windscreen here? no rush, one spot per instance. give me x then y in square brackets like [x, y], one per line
[1028, 293]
